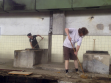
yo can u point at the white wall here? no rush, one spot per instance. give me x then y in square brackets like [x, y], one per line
[78, 19]
[23, 23]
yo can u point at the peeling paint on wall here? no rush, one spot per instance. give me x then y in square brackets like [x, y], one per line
[109, 26]
[100, 26]
[91, 18]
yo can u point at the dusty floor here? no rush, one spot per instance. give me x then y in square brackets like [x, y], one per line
[53, 71]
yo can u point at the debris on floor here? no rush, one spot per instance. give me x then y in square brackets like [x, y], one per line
[20, 73]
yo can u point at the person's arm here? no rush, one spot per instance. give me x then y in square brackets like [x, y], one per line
[40, 36]
[78, 46]
[31, 45]
[77, 49]
[67, 32]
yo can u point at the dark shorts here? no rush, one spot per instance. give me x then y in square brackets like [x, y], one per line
[69, 53]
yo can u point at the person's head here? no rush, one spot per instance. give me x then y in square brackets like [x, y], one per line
[83, 31]
[29, 35]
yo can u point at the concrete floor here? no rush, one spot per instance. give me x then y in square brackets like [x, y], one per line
[53, 71]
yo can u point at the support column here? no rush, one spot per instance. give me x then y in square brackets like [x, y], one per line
[50, 37]
[58, 36]
[58, 23]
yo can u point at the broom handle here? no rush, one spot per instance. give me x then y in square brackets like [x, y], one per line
[78, 59]
[37, 43]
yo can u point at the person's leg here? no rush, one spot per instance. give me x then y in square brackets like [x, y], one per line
[66, 57]
[66, 65]
[75, 59]
[66, 68]
[76, 65]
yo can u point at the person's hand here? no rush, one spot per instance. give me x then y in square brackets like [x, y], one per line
[76, 53]
[69, 38]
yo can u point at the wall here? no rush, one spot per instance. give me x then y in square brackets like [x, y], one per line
[57, 48]
[10, 43]
[98, 22]
[102, 43]
[99, 27]
[101, 33]
[23, 23]
[11, 40]
[15, 26]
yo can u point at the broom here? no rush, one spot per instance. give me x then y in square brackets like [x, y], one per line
[82, 75]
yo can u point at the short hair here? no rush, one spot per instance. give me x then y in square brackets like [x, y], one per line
[83, 30]
[29, 34]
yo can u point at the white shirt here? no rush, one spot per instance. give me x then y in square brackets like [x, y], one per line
[73, 33]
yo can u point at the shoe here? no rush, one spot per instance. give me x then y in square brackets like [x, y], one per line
[67, 75]
[78, 72]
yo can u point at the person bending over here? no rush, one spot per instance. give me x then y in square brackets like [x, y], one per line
[33, 40]
[74, 36]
